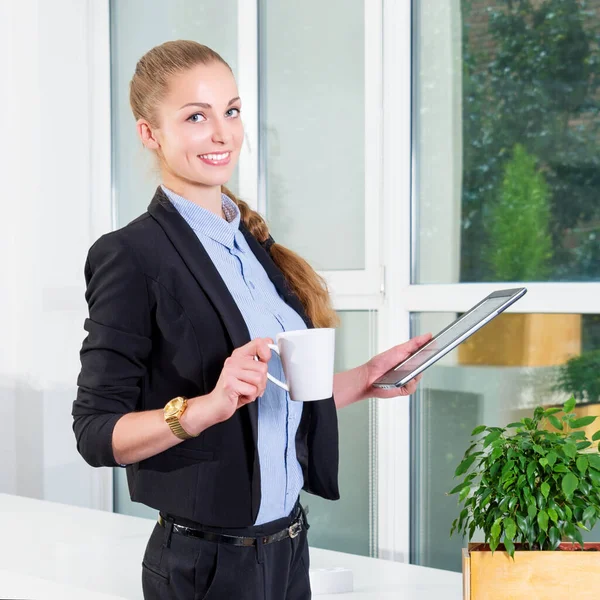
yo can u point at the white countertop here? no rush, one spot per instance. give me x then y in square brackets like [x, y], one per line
[67, 552]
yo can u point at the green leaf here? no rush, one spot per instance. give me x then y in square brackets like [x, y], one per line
[543, 462]
[596, 436]
[513, 425]
[555, 422]
[531, 511]
[496, 453]
[594, 461]
[531, 467]
[512, 503]
[569, 405]
[464, 493]
[491, 437]
[510, 547]
[510, 529]
[569, 484]
[553, 515]
[478, 429]
[459, 487]
[495, 468]
[560, 468]
[542, 520]
[582, 422]
[508, 467]
[574, 534]
[494, 543]
[568, 512]
[588, 513]
[554, 536]
[539, 449]
[583, 445]
[582, 464]
[595, 477]
[522, 523]
[559, 511]
[464, 465]
[545, 489]
[551, 457]
[541, 501]
[551, 411]
[495, 531]
[570, 450]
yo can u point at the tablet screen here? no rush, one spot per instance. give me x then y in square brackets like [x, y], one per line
[446, 337]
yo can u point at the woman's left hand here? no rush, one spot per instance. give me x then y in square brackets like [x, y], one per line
[382, 363]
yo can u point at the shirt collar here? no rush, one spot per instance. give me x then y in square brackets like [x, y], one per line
[204, 221]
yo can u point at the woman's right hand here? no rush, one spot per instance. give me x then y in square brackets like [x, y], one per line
[243, 379]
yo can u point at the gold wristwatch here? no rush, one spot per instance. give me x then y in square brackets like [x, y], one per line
[172, 412]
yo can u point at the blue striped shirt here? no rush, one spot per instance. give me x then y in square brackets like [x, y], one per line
[265, 314]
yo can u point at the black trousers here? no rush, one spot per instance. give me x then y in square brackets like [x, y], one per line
[178, 567]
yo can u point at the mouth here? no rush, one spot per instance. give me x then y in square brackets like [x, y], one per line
[215, 159]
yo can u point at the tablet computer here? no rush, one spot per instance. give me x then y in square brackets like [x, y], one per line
[450, 337]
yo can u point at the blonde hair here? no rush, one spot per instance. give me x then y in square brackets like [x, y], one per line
[148, 86]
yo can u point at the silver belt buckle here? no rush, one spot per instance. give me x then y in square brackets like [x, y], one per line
[295, 529]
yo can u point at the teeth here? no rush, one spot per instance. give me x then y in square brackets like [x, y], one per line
[215, 156]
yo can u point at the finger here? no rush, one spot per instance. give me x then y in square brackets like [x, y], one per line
[243, 400]
[246, 389]
[256, 347]
[255, 378]
[251, 364]
[410, 388]
[417, 342]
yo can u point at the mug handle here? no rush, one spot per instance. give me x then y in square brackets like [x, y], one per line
[270, 377]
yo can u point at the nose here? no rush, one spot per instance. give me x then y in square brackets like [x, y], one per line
[221, 133]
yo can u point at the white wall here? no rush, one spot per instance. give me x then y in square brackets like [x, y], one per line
[56, 202]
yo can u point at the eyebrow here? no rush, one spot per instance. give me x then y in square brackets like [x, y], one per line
[206, 105]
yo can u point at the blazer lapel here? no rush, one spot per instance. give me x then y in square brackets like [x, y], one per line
[198, 261]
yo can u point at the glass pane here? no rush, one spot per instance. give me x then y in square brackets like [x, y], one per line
[136, 27]
[506, 119]
[312, 85]
[348, 524]
[512, 365]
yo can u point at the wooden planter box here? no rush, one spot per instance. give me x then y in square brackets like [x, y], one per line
[565, 574]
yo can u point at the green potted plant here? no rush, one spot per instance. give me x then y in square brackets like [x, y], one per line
[530, 491]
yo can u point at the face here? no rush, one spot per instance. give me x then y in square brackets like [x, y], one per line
[200, 132]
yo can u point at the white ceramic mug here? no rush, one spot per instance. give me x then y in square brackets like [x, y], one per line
[307, 360]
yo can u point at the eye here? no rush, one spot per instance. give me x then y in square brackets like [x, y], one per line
[236, 112]
[201, 118]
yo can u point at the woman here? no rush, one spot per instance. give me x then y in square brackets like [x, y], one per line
[181, 301]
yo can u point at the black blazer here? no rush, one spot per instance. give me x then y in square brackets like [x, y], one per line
[161, 323]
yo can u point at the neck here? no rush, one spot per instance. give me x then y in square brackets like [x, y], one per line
[208, 197]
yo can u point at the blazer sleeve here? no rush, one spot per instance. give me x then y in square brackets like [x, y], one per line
[115, 351]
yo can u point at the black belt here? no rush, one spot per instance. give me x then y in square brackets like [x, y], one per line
[289, 532]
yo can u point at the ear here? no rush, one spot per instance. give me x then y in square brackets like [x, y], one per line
[147, 134]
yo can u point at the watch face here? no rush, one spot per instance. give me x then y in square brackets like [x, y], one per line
[173, 407]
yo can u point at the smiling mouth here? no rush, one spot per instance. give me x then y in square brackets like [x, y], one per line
[221, 158]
